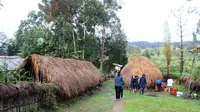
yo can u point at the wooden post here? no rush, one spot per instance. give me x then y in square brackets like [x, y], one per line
[1, 102]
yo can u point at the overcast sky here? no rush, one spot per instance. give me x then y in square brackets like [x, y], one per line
[142, 20]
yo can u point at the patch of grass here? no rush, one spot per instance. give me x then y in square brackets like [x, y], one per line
[109, 83]
[99, 102]
[164, 102]
[111, 86]
[180, 88]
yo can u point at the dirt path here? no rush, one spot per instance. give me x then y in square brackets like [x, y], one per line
[118, 105]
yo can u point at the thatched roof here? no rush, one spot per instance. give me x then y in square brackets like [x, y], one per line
[71, 76]
[12, 62]
[139, 65]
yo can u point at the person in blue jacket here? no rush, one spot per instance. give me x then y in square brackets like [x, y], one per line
[132, 84]
[118, 85]
[158, 84]
[143, 83]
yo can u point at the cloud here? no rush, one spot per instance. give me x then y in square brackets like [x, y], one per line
[143, 20]
[13, 12]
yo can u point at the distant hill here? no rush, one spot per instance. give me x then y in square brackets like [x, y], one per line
[145, 44]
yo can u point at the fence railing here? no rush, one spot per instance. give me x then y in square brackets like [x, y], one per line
[20, 97]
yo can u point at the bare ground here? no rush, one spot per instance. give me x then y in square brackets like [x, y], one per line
[118, 105]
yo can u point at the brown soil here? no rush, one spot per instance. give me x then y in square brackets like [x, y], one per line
[118, 106]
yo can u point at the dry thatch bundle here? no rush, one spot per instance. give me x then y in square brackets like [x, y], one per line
[71, 76]
[192, 84]
[184, 79]
[138, 66]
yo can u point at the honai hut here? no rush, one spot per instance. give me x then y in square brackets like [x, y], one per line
[71, 76]
[138, 66]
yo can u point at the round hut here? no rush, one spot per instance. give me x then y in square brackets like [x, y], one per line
[138, 66]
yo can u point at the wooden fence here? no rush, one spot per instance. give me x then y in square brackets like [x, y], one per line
[20, 97]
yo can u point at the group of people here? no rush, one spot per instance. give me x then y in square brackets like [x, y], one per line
[161, 86]
[134, 84]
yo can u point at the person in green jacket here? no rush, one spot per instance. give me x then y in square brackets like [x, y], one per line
[122, 88]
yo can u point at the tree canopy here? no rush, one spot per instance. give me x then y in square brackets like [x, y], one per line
[81, 29]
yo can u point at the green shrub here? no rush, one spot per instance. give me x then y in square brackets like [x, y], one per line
[49, 95]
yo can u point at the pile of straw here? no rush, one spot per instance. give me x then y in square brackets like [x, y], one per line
[71, 76]
[184, 79]
[138, 66]
[195, 85]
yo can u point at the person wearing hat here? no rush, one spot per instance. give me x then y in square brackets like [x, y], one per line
[142, 83]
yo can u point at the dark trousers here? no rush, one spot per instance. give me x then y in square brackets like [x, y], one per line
[136, 87]
[159, 87]
[121, 92]
[142, 90]
[117, 90]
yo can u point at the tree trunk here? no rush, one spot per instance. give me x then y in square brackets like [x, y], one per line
[167, 69]
[190, 79]
[181, 58]
[102, 54]
[83, 51]
[74, 40]
[102, 50]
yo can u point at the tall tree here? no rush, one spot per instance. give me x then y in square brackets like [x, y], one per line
[115, 44]
[111, 7]
[72, 30]
[63, 14]
[55, 8]
[92, 15]
[33, 36]
[167, 46]
[115, 51]
[181, 22]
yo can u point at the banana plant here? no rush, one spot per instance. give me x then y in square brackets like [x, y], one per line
[195, 54]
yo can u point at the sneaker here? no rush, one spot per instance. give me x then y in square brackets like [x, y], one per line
[117, 100]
